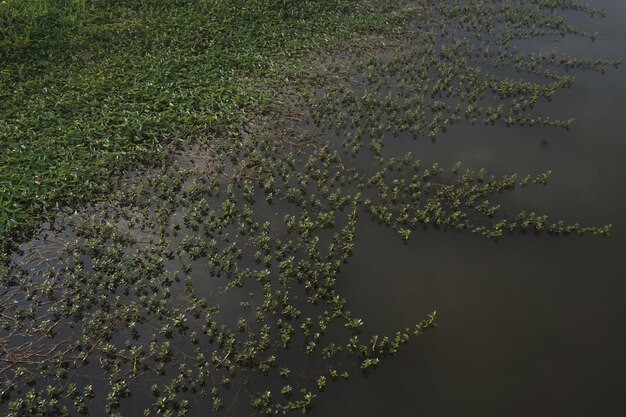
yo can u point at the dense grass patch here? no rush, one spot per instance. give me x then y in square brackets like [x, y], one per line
[23, 22]
[87, 89]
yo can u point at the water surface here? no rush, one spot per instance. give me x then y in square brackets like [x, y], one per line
[528, 325]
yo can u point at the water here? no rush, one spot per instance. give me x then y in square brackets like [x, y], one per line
[528, 325]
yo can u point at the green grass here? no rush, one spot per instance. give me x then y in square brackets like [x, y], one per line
[23, 22]
[86, 94]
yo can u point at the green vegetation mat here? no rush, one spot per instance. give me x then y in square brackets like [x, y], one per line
[82, 98]
[219, 158]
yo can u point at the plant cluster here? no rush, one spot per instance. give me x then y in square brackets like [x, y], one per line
[89, 90]
[211, 277]
[457, 67]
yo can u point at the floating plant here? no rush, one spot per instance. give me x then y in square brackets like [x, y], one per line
[211, 279]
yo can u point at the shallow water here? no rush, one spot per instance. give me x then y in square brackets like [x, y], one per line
[528, 325]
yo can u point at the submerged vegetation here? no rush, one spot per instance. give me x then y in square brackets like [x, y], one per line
[209, 276]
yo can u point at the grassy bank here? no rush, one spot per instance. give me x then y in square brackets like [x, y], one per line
[88, 89]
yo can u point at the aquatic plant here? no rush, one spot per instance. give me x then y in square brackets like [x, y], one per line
[211, 277]
[87, 93]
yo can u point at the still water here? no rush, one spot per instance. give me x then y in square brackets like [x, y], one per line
[527, 325]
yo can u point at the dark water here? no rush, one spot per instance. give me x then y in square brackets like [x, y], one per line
[528, 325]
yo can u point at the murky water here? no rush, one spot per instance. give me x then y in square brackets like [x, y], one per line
[527, 325]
